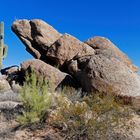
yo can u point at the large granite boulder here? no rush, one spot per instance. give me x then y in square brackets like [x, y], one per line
[37, 36]
[45, 43]
[99, 73]
[107, 48]
[55, 77]
[66, 48]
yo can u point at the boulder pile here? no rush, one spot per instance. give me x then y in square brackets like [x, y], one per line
[94, 65]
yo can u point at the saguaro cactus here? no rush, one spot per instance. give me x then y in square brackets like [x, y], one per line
[3, 47]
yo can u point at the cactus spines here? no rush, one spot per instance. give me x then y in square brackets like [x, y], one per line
[3, 47]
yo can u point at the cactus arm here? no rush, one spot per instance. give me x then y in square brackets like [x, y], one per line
[5, 49]
[1, 42]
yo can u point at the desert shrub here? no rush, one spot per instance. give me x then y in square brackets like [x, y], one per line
[35, 98]
[92, 117]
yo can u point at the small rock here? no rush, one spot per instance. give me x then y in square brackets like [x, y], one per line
[10, 70]
[8, 105]
[4, 85]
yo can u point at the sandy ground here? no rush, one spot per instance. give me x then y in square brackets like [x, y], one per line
[9, 130]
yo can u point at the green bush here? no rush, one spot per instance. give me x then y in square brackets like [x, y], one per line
[95, 117]
[35, 98]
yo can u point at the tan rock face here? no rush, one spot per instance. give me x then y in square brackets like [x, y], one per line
[66, 48]
[98, 73]
[51, 74]
[44, 35]
[36, 34]
[107, 48]
[4, 85]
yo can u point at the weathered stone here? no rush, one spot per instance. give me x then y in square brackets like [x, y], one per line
[99, 73]
[55, 77]
[66, 48]
[9, 95]
[10, 70]
[136, 103]
[9, 105]
[36, 34]
[13, 76]
[15, 86]
[4, 85]
[107, 48]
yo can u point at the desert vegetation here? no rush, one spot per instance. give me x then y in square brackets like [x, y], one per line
[35, 98]
[90, 117]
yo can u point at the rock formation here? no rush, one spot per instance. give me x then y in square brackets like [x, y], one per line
[37, 36]
[55, 77]
[105, 47]
[66, 48]
[97, 64]
[99, 73]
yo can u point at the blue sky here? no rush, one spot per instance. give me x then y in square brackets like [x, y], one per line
[118, 20]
